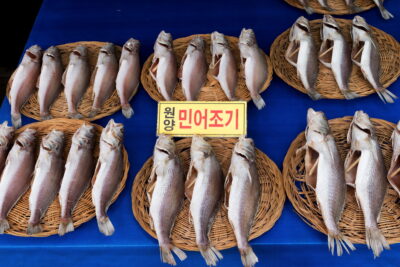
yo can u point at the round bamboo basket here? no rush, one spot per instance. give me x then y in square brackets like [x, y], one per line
[211, 91]
[352, 222]
[389, 50]
[59, 109]
[339, 7]
[84, 210]
[221, 234]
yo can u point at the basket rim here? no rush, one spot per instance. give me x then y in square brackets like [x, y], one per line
[320, 10]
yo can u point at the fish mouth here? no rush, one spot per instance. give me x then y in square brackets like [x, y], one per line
[360, 27]
[76, 52]
[303, 27]
[365, 130]
[31, 55]
[50, 55]
[164, 45]
[332, 26]
[128, 48]
[163, 150]
[104, 52]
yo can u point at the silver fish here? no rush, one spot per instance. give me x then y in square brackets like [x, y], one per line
[17, 174]
[166, 195]
[365, 54]
[394, 171]
[128, 77]
[204, 188]
[365, 170]
[47, 176]
[306, 5]
[77, 175]
[24, 82]
[6, 136]
[384, 12]
[164, 69]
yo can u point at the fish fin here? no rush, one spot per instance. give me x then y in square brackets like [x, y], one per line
[64, 76]
[214, 68]
[75, 115]
[93, 77]
[190, 181]
[127, 111]
[351, 165]
[341, 243]
[394, 173]
[16, 120]
[249, 258]
[228, 183]
[151, 223]
[34, 229]
[309, 9]
[292, 53]
[153, 68]
[151, 183]
[386, 96]
[375, 241]
[4, 226]
[210, 255]
[350, 95]
[66, 226]
[311, 164]
[105, 226]
[167, 257]
[385, 13]
[94, 112]
[96, 171]
[325, 53]
[38, 81]
[356, 53]
[258, 101]
[45, 116]
[180, 71]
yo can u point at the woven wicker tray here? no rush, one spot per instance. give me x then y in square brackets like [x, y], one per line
[59, 108]
[352, 222]
[339, 7]
[221, 235]
[84, 210]
[211, 91]
[326, 85]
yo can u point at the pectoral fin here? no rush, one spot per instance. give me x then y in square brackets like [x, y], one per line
[153, 68]
[227, 186]
[351, 165]
[96, 171]
[93, 75]
[190, 181]
[311, 162]
[151, 183]
[292, 53]
[180, 71]
[214, 66]
[356, 53]
[325, 53]
[394, 173]
[64, 76]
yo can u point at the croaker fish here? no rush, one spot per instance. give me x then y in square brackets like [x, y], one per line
[306, 5]
[17, 174]
[365, 170]
[164, 69]
[108, 173]
[77, 175]
[6, 136]
[47, 176]
[242, 187]
[127, 81]
[204, 188]
[24, 82]
[384, 12]
[365, 54]
[166, 193]
[394, 171]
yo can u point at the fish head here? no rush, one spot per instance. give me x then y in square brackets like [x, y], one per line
[317, 125]
[360, 28]
[79, 52]
[197, 43]
[83, 137]
[26, 139]
[164, 148]
[33, 53]
[132, 46]
[247, 37]
[113, 134]
[396, 137]
[52, 53]
[218, 43]
[200, 148]
[330, 28]
[53, 142]
[6, 134]
[163, 42]
[245, 148]
[300, 29]
[361, 127]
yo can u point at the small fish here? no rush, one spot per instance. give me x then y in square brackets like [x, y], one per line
[24, 82]
[242, 187]
[76, 79]
[47, 176]
[17, 174]
[254, 65]
[6, 137]
[302, 54]
[325, 5]
[365, 170]
[394, 171]
[166, 193]
[365, 54]
[108, 173]
[204, 188]
[223, 65]
[384, 12]
[128, 77]
[306, 5]
[164, 67]
[77, 175]
[49, 82]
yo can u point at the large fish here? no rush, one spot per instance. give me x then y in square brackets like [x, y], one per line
[108, 173]
[47, 176]
[166, 193]
[76, 79]
[204, 188]
[24, 82]
[394, 171]
[306, 5]
[384, 12]
[302, 54]
[6, 136]
[128, 77]
[17, 174]
[164, 69]
[77, 175]
[365, 170]
[325, 174]
[242, 187]
[365, 54]
[49, 82]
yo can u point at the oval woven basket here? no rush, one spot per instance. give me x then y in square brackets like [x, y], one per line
[84, 210]
[221, 234]
[389, 50]
[59, 109]
[352, 222]
[211, 91]
[339, 7]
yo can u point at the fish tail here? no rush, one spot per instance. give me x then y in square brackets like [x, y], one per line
[258, 101]
[376, 241]
[66, 226]
[75, 115]
[167, 257]
[309, 10]
[385, 13]
[341, 243]
[386, 96]
[127, 111]
[4, 225]
[105, 226]
[350, 95]
[33, 228]
[16, 120]
[94, 112]
[249, 258]
[211, 255]
[45, 116]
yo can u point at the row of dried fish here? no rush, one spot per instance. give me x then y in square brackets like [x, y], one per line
[51, 177]
[336, 54]
[193, 68]
[204, 188]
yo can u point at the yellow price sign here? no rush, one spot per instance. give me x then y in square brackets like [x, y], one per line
[207, 118]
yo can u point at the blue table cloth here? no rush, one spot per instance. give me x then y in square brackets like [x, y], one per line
[291, 242]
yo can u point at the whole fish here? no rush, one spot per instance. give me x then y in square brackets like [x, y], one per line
[204, 188]
[242, 187]
[335, 53]
[24, 82]
[47, 176]
[193, 69]
[76, 79]
[365, 54]
[365, 170]
[166, 195]
[306, 5]
[17, 174]
[108, 173]
[164, 67]
[49, 82]
[223, 65]
[254, 65]
[384, 12]
[394, 171]
[128, 76]
[77, 175]
[6, 136]
[325, 174]
[302, 54]
[104, 77]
